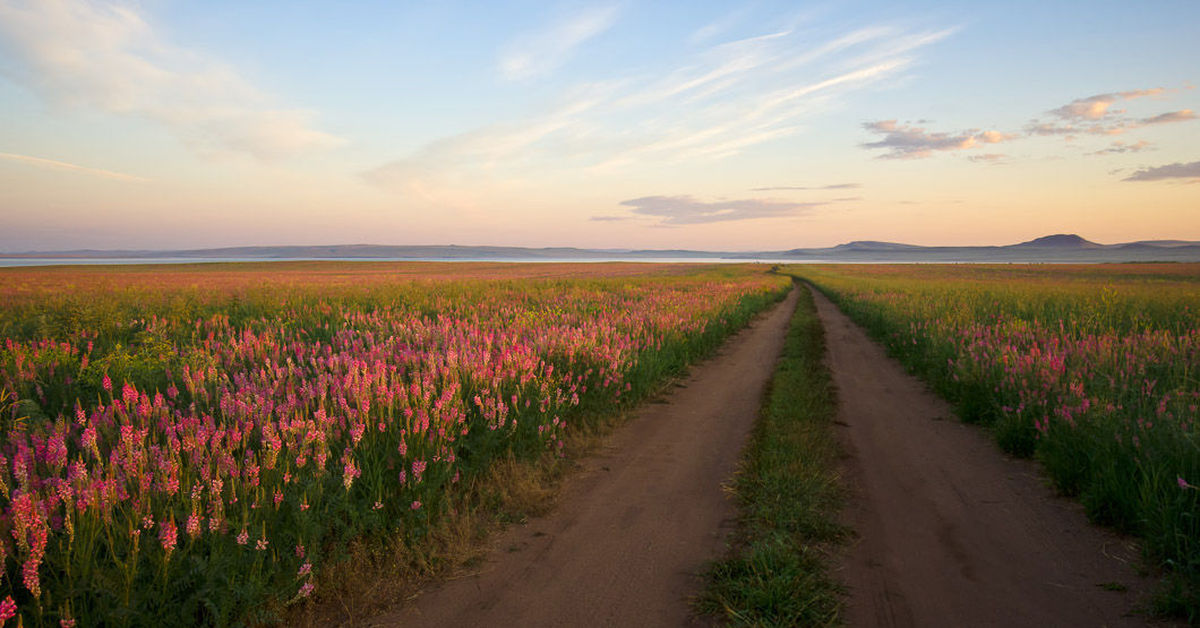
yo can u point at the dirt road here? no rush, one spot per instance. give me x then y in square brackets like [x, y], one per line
[950, 531]
[637, 524]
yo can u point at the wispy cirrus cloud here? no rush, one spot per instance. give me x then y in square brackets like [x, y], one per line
[686, 210]
[54, 164]
[541, 52]
[1186, 171]
[106, 56]
[716, 27]
[904, 141]
[832, 186]
[718, 101]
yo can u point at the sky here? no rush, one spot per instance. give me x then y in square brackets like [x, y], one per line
[165, 124]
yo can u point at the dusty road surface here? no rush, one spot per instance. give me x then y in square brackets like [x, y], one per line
[950, 531]
[637, 524]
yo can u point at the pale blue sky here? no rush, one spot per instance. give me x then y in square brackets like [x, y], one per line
[164, 124]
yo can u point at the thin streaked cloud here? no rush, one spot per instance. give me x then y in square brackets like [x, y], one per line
[105, 56]
[719, 101]
[542, 52]
[832, 186]
[54, 164]
[991, 158]
[686, 210]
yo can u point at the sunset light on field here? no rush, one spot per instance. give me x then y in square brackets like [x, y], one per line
[702, 125]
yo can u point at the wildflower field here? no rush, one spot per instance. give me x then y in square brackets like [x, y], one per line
[1093, 370]
[188, 445]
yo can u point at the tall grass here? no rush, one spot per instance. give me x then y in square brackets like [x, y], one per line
[194, 447]
[1093, 370]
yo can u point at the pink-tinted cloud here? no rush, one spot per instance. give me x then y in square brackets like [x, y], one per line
[1170, 171]
[106, 56]
[904, 141]
[1097, 107]
[686, 210]
[1119, 147]
[54, 164]
[1173, 116]
[832, 186]
[993, 158]
[1094, 115]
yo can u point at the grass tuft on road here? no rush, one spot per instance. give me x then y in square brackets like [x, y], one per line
[777, 573]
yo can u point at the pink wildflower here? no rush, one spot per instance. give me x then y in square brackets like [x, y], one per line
[193, 525]
[305, 569]
[416, 505]
[8, 609]
[243, 538]
[168, 535]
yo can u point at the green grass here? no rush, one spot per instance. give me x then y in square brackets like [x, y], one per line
[1091, 370]
[788, 490]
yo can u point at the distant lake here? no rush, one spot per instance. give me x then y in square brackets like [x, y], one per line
[82, 261]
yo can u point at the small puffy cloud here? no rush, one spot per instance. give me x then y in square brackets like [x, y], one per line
[1173, 116]
[1170, 171]
[106, 56]
[1095, 115]
[1097, 107]
[832, 186]
[540, 53]
[904, 141]
[1119, 147]
[993, 137]
[686, 210]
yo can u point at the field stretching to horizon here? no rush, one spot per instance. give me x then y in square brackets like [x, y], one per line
[191, 445]
[1093, 370]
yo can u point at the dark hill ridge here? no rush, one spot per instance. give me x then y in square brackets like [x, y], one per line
[1058, 248]
[1060, 240]
[872, 245]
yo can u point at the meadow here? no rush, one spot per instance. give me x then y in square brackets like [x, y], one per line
[191, 445]
[1093, 370]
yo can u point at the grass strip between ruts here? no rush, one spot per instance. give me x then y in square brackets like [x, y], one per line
[777, 573]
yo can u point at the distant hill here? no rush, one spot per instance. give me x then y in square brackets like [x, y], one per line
[1060, 241]
[1059, 248]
